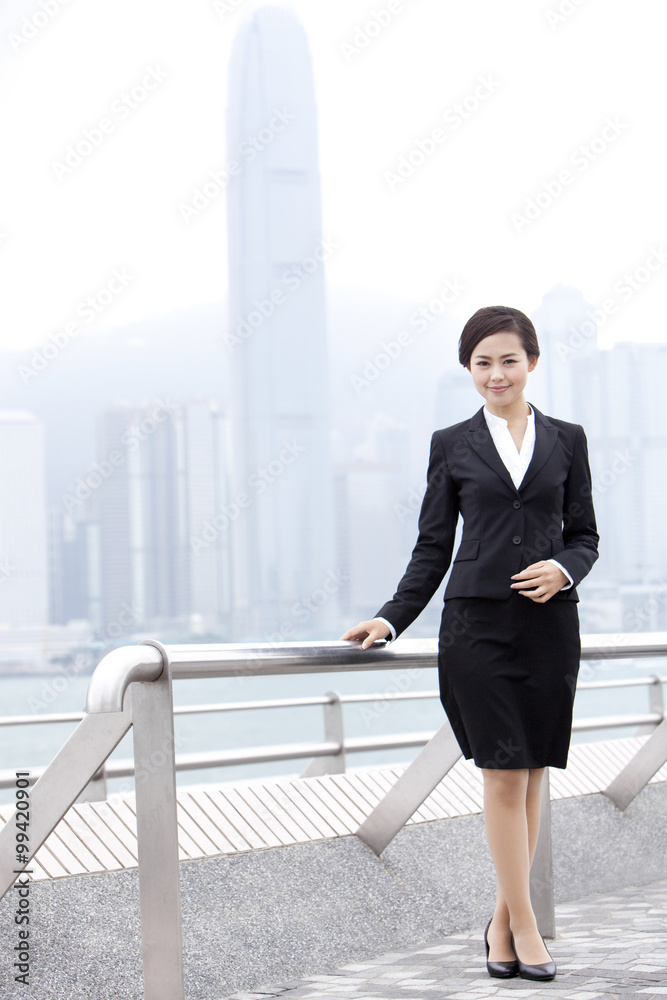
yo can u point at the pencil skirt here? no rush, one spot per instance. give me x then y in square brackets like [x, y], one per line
[508, 672]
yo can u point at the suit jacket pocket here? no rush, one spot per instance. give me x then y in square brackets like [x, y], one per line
[468, 549]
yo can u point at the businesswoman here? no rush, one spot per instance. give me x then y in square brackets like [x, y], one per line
[509, 647]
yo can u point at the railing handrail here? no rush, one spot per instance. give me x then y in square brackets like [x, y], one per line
[199, 660]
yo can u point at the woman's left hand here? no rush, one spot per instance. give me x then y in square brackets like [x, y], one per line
[545, 577]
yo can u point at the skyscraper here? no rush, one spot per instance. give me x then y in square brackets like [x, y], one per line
[284, 535]
[567, 334]
[23, 522]
[161, 515]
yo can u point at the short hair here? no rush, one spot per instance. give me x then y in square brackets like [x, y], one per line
[497, 319]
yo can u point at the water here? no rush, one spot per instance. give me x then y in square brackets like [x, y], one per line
[22, 747]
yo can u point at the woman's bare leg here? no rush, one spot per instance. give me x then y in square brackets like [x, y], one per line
[499, 933]
[512, 816]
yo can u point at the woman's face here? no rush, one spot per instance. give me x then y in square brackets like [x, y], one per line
[499, 367]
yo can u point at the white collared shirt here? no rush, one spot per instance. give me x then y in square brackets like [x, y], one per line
[515, 461]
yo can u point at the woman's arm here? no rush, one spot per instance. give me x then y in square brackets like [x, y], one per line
[580, 536]
[432, 553]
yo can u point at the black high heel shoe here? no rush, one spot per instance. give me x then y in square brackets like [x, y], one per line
[499, 970]
[542, 972]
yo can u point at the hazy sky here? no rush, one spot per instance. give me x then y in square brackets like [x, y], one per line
[564, 99]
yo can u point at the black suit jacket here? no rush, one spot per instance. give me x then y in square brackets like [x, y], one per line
[504, 529]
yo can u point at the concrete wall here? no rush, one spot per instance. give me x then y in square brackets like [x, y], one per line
[274, 915]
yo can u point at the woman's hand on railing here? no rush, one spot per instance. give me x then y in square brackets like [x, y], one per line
[368, 631]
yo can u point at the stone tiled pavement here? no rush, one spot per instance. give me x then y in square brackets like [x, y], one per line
[607, 945]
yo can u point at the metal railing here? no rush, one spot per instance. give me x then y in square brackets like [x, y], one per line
[132, 686]
[329, 755]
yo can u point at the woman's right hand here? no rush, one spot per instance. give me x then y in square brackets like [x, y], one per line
[368, 631]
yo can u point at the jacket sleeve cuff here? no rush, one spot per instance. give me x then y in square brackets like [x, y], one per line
[389, 626]
[566, 586]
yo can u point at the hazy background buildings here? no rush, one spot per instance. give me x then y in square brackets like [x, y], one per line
[252, 468]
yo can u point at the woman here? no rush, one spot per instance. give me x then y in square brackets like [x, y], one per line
[509, 647]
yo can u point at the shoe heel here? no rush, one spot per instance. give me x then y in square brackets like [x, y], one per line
[538, 973]
[498, 970]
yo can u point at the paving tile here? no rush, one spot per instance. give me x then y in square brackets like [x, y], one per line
[611, 946]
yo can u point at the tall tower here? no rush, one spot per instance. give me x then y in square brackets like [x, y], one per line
[284, 534]
[567, 334]
[23, 522]
[161, 518]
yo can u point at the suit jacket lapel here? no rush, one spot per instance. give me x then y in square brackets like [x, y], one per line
[481, 442]
[546, 436]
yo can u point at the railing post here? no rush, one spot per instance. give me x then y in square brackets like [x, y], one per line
[656, 704]
[413, 787]
[541, 873]
[157, 835]
[96, 789]
[638, 772]
[333, 731]
[656, 701]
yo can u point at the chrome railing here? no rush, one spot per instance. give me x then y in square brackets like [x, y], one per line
[328, 756]
[132, 686]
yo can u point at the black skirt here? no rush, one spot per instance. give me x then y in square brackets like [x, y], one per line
[508, 672]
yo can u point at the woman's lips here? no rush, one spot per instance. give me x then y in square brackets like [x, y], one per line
[498, 388]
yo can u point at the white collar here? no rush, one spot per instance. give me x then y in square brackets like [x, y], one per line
[495, 421]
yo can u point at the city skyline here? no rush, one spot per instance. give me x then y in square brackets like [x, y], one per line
[297, 411]
[381, 91]
[376, 502]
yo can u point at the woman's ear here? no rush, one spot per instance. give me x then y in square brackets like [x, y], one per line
[532, 361]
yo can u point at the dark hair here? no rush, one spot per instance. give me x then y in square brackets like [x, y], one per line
[497, 319]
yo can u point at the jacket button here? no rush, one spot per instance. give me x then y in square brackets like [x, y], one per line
[517, 540]
[516, 504]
